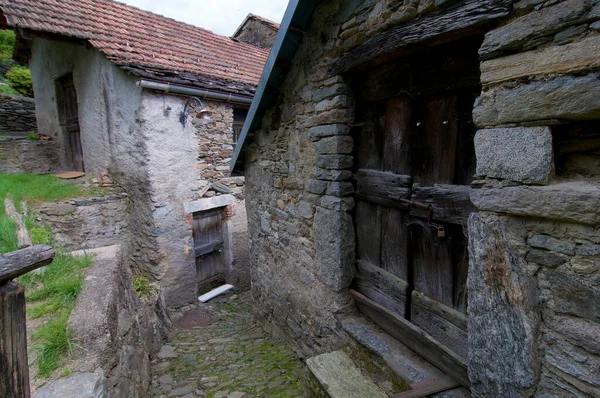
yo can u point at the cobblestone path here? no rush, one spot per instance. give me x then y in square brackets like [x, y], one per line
[231, 358]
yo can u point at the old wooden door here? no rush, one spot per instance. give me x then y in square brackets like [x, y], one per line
[414, 161]
[208, 248]
[71, 124]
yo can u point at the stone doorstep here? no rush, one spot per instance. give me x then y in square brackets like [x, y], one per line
[404, 362]
[340, 377]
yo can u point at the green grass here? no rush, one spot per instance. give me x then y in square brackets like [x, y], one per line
[53, 293]
[32, 188]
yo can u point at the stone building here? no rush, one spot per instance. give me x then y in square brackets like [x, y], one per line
[123, 90]
[433, 166]
[257, 31]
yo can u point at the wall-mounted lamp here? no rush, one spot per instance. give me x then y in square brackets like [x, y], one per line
[203, 114]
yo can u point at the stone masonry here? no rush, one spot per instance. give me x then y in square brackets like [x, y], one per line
[534, 245]
[17, 114]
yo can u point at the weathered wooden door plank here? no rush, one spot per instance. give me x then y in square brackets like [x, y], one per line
[381, 287]
[450, 203]
[443, 323]
[415, 338]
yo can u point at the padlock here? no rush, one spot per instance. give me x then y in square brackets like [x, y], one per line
[441, 232]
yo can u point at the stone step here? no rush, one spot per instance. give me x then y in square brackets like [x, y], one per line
[340, 378]
[423, 378]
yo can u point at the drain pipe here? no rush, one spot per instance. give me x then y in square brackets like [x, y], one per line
[169, 88]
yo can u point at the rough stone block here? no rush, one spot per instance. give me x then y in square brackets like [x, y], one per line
[340, 189]
[305, 210]
[569, 58]
[334, 244]
[565, 97]
[340, 377]
[334, 145]
[552, 244]
[503, 313]
[330, 91]
[531, 27]
[546, 258]
[332, 175]
[338, 204]
[335, 162]
[341, 101]
[77, 385]
[566, 202]
[568, 296]
[521, 154]
[328, 130]
[316, 186]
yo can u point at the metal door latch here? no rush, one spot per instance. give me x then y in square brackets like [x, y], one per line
[441, 232]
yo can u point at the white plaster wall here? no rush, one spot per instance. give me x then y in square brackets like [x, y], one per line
[172, 157]
[107, 99]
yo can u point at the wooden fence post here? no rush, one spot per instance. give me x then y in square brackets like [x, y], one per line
[14, 369]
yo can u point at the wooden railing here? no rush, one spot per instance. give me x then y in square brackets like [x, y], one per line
[14, 370]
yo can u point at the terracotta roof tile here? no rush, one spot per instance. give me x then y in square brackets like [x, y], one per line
[130, 36]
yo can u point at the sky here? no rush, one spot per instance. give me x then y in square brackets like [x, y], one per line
[220, 16]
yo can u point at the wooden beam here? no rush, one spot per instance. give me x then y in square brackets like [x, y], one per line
[382, 187]
[446, 24]
[14, 370]
[23, 238]
[451, 203]
[414, 338]
[381, 286]
[443, 323]
[20, 262]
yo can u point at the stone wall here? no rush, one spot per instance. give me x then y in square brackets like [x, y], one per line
[541, 241]
[17, 114]
[257, 33]
[533, 277]
[301, 230]
[86, 224]
[20, 155]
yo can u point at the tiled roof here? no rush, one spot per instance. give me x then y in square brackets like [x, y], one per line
[131, 37]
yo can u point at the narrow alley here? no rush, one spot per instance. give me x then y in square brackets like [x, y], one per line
[229, 358]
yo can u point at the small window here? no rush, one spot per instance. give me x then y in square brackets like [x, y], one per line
[239, 116]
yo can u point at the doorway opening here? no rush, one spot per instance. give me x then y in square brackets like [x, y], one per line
[69, 120]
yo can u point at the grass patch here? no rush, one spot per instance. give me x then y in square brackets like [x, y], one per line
[32, 188]
[33, 137]
[56, 341]
[143, 287]
[53, 292]
[50, 293]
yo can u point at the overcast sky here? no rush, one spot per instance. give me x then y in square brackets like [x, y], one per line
[220, 16]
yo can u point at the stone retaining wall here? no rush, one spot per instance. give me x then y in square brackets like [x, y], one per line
[20, 155]
[17, 114]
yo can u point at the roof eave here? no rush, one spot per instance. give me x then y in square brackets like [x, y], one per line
[295, 22]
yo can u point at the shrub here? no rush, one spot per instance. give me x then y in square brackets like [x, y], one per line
[19, 78]
[7, 45]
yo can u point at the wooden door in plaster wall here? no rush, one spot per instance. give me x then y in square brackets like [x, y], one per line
[414, 162]
[74, 149]
[208, 248]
